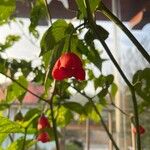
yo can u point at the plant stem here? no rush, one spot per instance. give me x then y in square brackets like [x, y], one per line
[101, 118]
[92, 25]
[54, 126]
[138, 139]
[52, 115]
[113, 18]
[131, 87]
[48, 12]
[114, 105]
[24, 87]
[104, 125]
[24, 140]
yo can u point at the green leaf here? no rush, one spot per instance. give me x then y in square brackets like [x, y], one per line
[91, 74]
[103, 93]
[91, 53]
[102, 32]
[74, 42]
[141, 81]
[99, 82]
[90, 36]
[10, 40]
[17, 145]
[38, 12]
[26, 67]
[143, 106]
[3, 65]
[8, 126]
[64, 116]
[28, 122]
[94, 4]
[54, 55]
[73, 106]
[18, 116]
[82, 9]
[109, 79]
[30, 113]
[59, 30]
[7, 7]
[103, 81]
[78, 85]
[114, 89]
[3, 136]
[15, 91]
[90, 111]
[4, 106]
[31, 118]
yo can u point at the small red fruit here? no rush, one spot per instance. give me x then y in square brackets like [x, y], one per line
[43, 137]
[141, 129]
[43, 122]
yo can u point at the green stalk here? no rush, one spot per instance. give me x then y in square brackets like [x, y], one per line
[48, 12]
[113, 18]
[54, 126]
[131, 87]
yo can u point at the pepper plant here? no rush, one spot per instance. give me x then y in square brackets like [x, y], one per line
[65, 59]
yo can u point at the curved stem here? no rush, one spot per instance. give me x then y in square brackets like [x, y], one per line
[101, 118]
[24, 87]
[113, 18]
[131, 87]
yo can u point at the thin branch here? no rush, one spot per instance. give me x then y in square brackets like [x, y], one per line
[101, 118]
[29, 39]
[114, 105]
[24, 87]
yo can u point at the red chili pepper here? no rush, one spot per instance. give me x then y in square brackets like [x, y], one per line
[43, 122]
[43, 137]
[141, 129]
[68, 65]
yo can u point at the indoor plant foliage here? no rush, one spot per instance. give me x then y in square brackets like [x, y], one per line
[65, 60]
